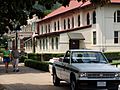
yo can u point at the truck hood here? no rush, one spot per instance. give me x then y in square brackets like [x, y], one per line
[95, 67]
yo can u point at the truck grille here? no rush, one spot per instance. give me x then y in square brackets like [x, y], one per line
[101, 75]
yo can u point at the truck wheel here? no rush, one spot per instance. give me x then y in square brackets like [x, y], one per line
[73, 85]
[56, 80]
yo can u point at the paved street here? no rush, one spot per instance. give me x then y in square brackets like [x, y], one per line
[27, 79]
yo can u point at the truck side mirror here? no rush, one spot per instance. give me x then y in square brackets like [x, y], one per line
[110, 60]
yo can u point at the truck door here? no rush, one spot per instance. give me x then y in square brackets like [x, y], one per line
[66, 63]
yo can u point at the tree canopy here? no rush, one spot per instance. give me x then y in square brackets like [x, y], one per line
[14, 13]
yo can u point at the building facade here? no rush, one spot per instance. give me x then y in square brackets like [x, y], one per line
[79, 25]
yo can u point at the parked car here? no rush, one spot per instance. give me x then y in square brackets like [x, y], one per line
[51, 61]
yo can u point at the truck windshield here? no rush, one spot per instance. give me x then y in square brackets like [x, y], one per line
[88, 57]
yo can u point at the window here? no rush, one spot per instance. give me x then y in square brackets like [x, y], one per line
[56, 43]
[94, 37]
[78, 20]
[46, 43]
[52, 43]
[42, 29]
[117, 16]
[68, 23]
[40, 44]
[72, 22]
[64, 24]
[115, 37]
[88, 19]
[54, 26]
[43, 43]
[45, 28]
[67, 57]
[49, 28]
[94, 17]
[58, 25]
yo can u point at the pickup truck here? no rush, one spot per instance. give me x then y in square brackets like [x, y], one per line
[85, 69]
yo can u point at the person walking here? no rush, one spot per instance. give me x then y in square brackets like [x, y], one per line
[15, 59]
[6, 58]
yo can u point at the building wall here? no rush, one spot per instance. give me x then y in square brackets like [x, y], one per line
[104, 28]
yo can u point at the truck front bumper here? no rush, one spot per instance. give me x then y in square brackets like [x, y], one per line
[93, 84]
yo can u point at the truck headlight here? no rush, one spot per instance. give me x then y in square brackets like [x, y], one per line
[83, 74]
[117, 74]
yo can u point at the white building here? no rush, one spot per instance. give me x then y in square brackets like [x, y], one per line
[80, 26]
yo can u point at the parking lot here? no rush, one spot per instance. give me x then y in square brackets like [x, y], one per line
[27, 79]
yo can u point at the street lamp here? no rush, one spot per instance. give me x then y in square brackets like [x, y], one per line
[16, 35]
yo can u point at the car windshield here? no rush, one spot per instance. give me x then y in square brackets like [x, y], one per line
[88, 57]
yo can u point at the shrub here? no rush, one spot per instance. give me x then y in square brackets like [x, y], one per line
[40, 65]
[112, 55]
[34, 56]
[22, 59]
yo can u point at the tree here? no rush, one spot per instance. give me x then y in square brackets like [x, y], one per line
[14, 13]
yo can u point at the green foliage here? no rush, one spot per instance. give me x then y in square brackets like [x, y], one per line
[112, 55]
[34, 56]
[46, 57]
[37, 64]
[14, 14]
[22, 59]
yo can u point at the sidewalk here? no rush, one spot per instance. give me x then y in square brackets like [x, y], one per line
[26, 79]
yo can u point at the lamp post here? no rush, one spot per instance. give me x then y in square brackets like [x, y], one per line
[16, 35]
[16, 39]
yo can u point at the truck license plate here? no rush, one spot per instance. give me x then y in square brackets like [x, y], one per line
[101, 84]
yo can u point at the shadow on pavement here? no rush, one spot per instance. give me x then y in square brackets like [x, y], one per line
[23, 69]
[21, 86]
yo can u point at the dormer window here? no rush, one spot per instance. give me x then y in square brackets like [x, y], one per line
[117, 16]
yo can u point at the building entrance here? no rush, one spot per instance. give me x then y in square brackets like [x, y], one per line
[73, 44]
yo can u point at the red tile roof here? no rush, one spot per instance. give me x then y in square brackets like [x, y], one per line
[115, 1]
[72, 5]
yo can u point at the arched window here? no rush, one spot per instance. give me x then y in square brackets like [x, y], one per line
[68, 23]
[64, 24]
[94, 17]
[88, 19]
[78, 20]
[54, 26]
[117, 16]
[56, 42]
[72, 22]
[52, 43]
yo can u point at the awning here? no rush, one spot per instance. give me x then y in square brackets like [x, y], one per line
[76, 36]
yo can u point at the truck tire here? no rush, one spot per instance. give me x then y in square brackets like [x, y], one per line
[56, 80]
[73, 84]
